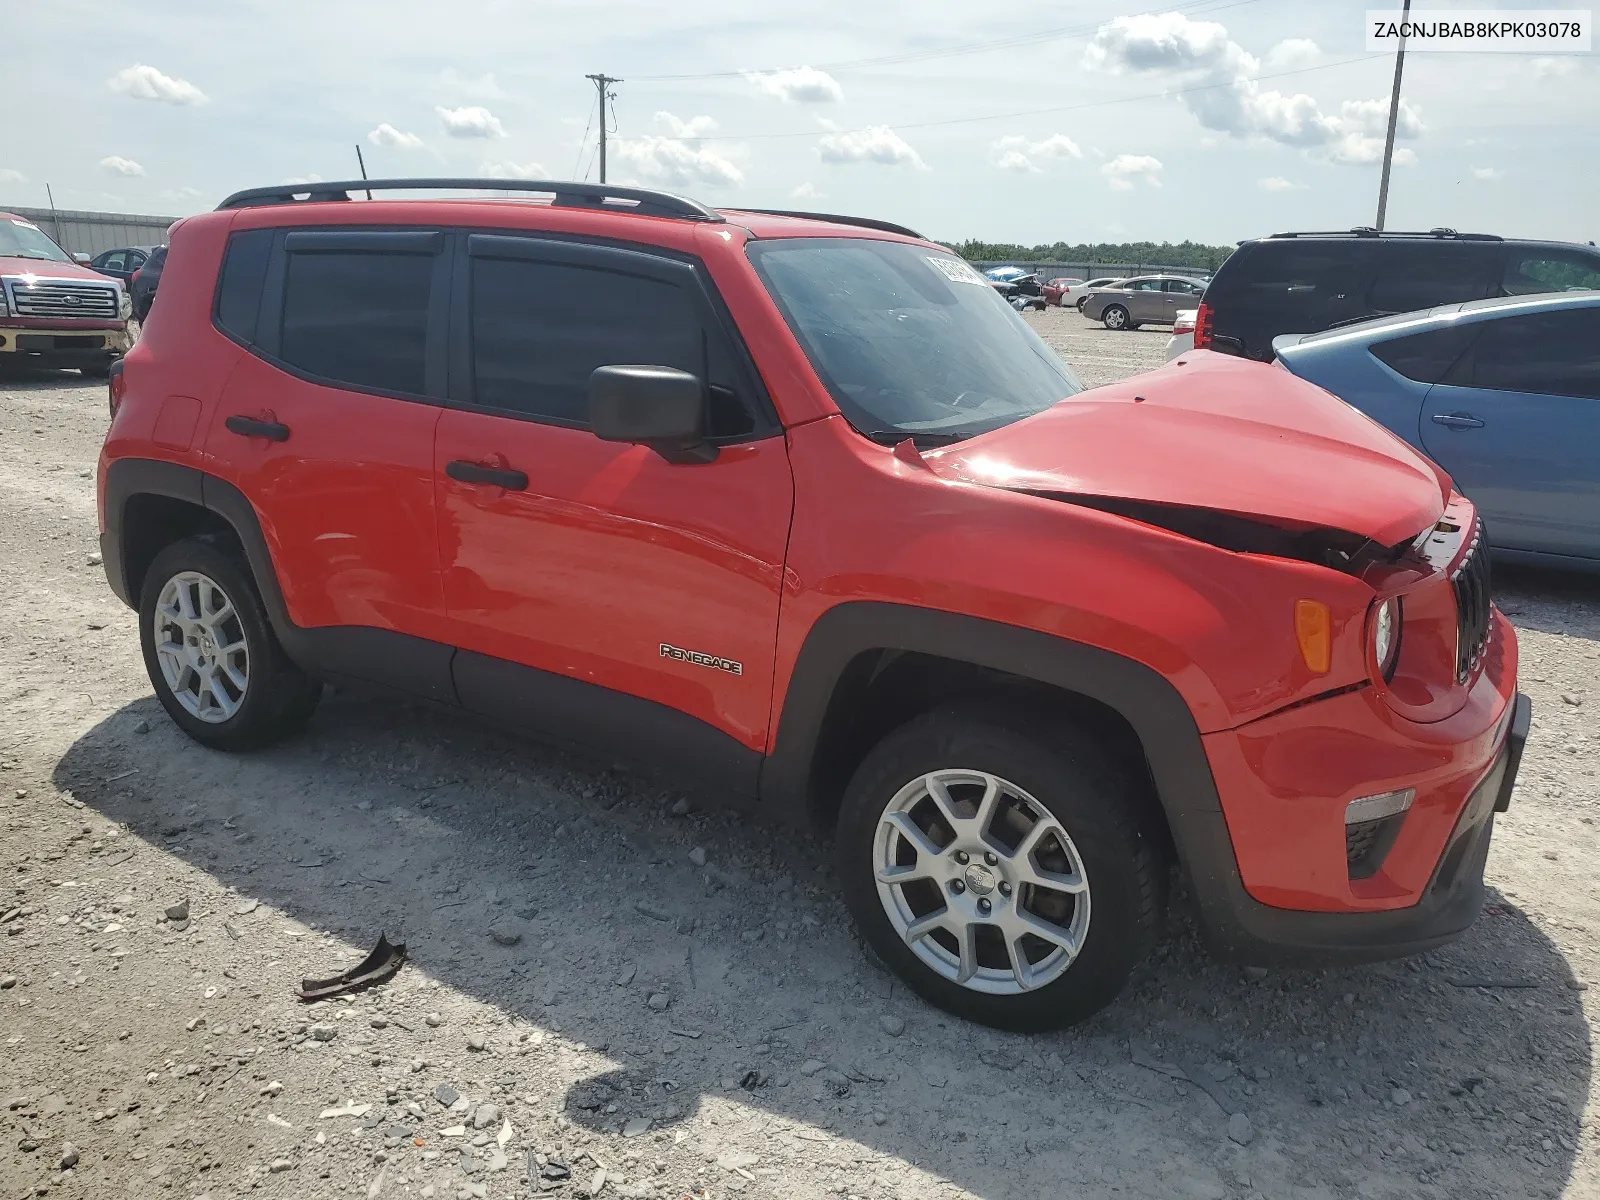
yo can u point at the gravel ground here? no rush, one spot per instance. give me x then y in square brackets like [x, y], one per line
[618, 993]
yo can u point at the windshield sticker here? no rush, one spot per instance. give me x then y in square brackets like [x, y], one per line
[957, 271]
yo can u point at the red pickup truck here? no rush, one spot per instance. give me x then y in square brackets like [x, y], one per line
[54, 313]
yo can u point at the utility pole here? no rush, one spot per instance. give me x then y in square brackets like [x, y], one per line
[1394, 114]
[601, 83]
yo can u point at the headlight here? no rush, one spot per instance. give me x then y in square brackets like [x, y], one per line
[124, 303]
[1386, 636]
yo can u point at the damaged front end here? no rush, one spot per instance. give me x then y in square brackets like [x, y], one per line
[1336, 549]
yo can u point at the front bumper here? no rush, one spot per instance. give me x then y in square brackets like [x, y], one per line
[45, 344]
[1269, 864]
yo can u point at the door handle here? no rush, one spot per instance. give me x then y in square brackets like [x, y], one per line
[463, 471]
[1457, 421]
[250, 427]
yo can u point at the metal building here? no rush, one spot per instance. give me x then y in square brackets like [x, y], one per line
[89, 233]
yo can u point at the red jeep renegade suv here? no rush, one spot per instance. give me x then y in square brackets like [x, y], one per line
[798, 506]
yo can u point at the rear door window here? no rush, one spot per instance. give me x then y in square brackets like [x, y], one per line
[1529, 272]
[1549, 354]
[358, 316]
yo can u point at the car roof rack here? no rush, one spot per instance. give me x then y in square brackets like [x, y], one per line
[1367, 231]
[836, 219]
[565, 194]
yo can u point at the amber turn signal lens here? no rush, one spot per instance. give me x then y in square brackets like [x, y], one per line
[1313, 629]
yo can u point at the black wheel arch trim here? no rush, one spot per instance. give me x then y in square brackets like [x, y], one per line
[1237, 927]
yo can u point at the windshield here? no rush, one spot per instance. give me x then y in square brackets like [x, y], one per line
[910, 343]
[19, 239]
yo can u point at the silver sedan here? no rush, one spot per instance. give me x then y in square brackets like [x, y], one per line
[1143, 300]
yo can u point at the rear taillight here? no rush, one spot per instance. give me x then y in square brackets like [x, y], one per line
[1183, 325]
[1202, 327]
[116, 387]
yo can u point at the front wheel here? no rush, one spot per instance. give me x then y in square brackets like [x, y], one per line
[215, 664]
[995, 863]
[1115, 317]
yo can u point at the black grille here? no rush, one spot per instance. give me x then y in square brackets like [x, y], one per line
[1471, 583]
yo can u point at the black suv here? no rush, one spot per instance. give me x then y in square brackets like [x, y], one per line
[1308, 282]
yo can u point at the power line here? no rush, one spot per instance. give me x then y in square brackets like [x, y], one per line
[1029, 112]
[1009, 43]
[584, 141]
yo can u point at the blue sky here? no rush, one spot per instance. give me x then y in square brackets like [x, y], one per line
[1105, 121]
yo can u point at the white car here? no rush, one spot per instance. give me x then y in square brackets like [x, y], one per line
[1079, 292]
[1182, 339]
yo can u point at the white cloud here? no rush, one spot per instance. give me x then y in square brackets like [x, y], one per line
[1125, 169]
[799, 85]
[1487, 174]
[473, 121]
[181, 193]
[806, 191]
[1277, 183]
[1293, 53]
[511, 170]
[478, 87]
[1013, 153]
[693, 129]
[311, 178]
[387, 135]
[1228, 97]
[146, 83]
[679, 159]
[8, 175]
[118, 165]
[874, 144]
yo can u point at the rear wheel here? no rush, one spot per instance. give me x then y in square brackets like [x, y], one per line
[215, 664]
[995, 863]
[1115, 317]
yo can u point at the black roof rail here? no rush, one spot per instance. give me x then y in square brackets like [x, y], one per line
[564, 193]
[1367, 231]
[836, 219]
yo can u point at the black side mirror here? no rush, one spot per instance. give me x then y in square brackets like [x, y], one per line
[659, 407]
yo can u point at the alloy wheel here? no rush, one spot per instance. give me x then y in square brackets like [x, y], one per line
[201, 646]
[981, 881]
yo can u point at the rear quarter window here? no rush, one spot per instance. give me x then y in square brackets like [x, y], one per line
[1426, 357]
[244, 272]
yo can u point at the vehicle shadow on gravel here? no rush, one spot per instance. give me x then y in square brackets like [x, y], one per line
[1462, 1073]
[1549, 601]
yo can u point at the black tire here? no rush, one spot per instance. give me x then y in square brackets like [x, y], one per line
[278, 698]
[1062, 768]
[1115, 323]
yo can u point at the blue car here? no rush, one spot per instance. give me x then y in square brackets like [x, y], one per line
[1504, 394]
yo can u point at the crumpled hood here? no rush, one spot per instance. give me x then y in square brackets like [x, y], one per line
[1217, 433]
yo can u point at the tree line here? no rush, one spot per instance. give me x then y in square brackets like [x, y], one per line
[1167, 254]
